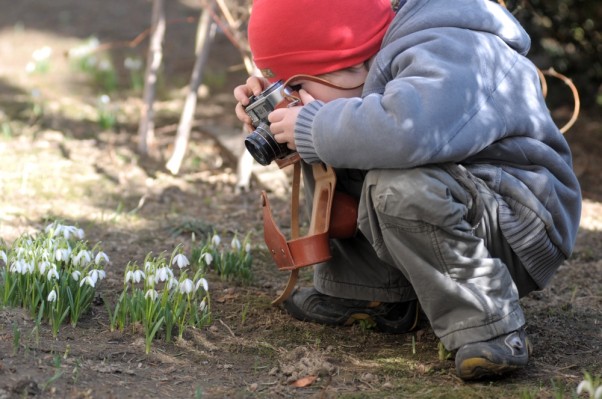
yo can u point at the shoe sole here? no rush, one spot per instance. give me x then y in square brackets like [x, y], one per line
[476, 368]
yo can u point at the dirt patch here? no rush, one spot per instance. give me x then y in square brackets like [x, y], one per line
[58, 162]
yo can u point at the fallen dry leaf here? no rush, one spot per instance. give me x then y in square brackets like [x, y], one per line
[305, 381]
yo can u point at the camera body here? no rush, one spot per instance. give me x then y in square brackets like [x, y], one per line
[261, 143]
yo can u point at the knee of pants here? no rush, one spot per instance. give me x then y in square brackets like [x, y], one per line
[428, 195]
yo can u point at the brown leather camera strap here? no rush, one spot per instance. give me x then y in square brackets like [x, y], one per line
[306, 250]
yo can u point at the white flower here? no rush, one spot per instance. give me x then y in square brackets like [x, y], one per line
[79, 233]
[100, 257]
[152, 294]
[28, 267]
[148, 266]
[181, 260]
[135, 276]
[3, 257]
[186, 286]
[248, 247]
[163, 274]
[42, 266]
[132, 64]
[16, 267]
[586, 385]
[87, 280]
[51, 296]
[96, 275]
[235, 244]
[203, 305]
[208, 258]
[75, 275]
[172, 283]
[52, 273]
[68, 231]
[105, 65]
[42, 54]
[202, 282]
[216, 240]
[61, 254]
[83, 258]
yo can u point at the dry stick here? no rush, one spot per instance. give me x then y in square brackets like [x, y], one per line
[205, 35]
[146, 129]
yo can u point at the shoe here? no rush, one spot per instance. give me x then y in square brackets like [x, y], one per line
[495, 357]
[307, 304]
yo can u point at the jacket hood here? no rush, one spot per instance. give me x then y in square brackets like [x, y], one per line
[480, 15]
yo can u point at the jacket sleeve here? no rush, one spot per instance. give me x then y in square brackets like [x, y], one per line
[434, 106]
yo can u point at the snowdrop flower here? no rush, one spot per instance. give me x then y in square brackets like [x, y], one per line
[51, 296]
[100, 257]
[68, 231]
[235, 244]
[16, 267]
[216, 240]
[152, 294]
[83, 258]
[203, 305]
[586, 385]
[52, 273]
[75, 275]
[27, 268]
[202, 282]
[181, 260]
[208, 258]
[135, 276]
[42, 266]
[186, 286]
[88, 280]
[61, 254]
[248, 247]
[96, 275]
[42, 54]
[105, 65]
[172, 283]
[163, 274]
[148, 266]
[3, 257]
[79, 234]
[133, 64]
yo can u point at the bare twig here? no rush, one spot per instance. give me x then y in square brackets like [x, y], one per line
[205, 35]
[146, 134]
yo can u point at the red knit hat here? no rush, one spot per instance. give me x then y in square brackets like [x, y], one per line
[313, 37]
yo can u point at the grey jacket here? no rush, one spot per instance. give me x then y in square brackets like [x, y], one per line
[451, 83]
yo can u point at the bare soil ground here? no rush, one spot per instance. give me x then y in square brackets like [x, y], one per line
[56, 162]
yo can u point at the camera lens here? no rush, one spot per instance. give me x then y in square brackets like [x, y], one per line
[262, 146]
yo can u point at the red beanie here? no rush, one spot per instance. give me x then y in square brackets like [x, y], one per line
[313, 37]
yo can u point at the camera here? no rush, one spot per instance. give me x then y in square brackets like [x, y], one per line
[261, 143]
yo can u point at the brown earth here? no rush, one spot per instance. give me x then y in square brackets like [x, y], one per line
[58, 163]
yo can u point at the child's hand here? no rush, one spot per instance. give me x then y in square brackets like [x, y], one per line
[282, 121]
[254, 86]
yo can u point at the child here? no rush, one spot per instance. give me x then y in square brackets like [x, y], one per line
[467, 196]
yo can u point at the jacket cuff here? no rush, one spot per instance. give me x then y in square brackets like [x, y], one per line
[303, 132]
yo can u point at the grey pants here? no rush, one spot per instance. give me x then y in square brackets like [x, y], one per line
[415, 240]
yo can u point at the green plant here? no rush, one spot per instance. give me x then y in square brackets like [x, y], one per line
[592, 385]
[107, 117]
[98, 65]
[40, 60]
[52, 274]
[157, 299]
[231, 264]
[134, 66]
